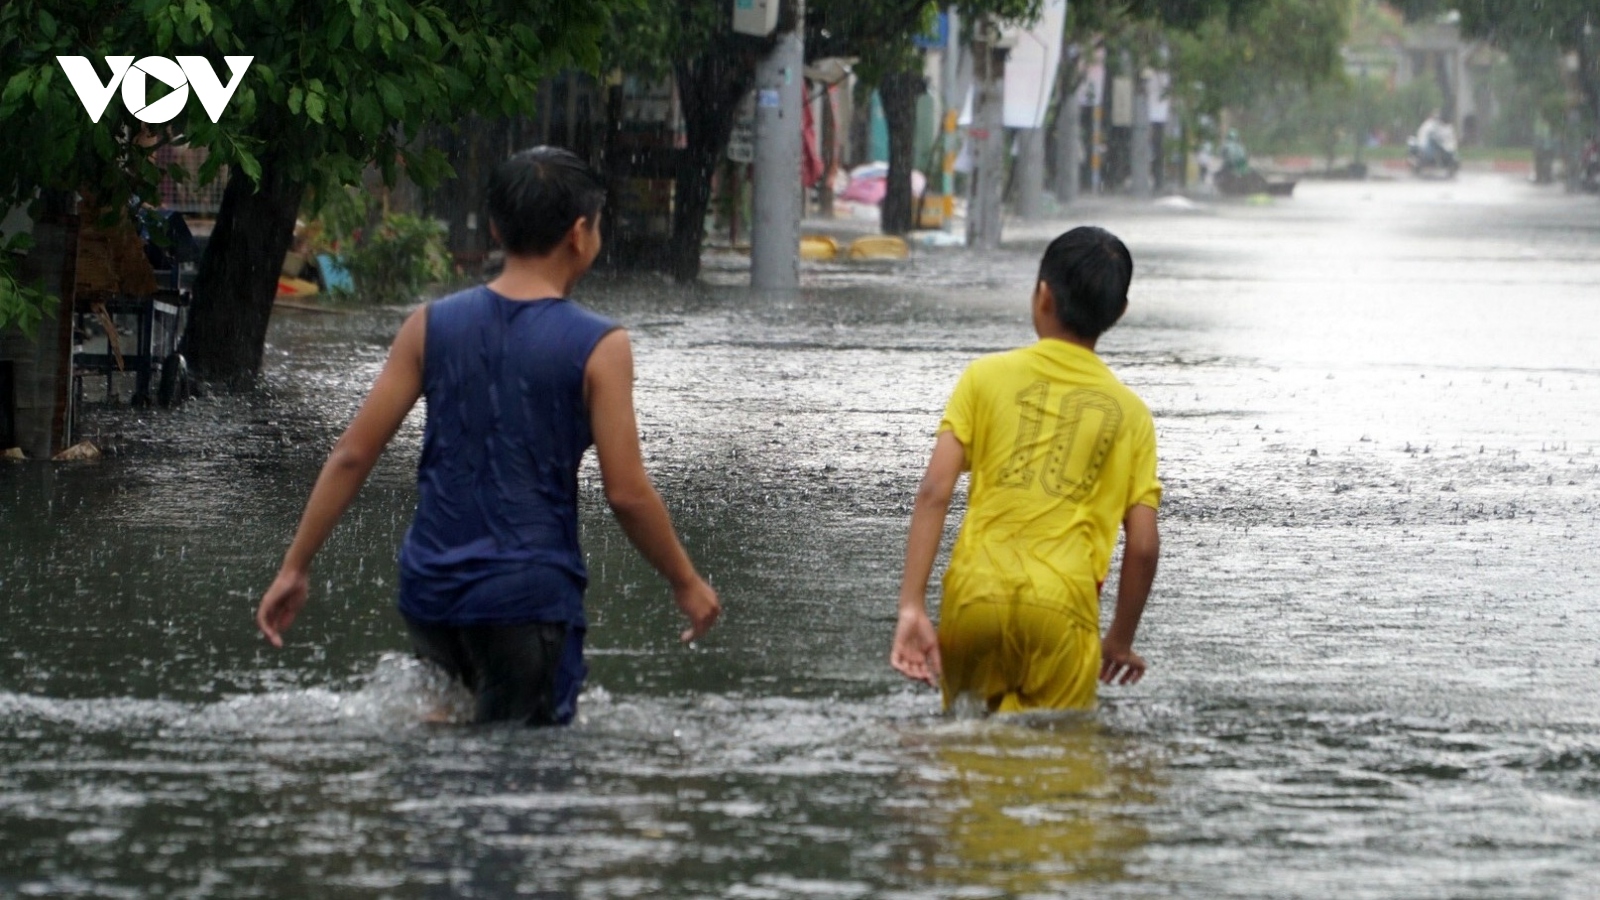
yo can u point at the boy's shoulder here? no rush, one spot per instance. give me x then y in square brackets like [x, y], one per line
[466, 296]
[999, 361]
[1008, 370]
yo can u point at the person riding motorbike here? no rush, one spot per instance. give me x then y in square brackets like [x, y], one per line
[1235, 158]
[1435, 145]
[1589, 165]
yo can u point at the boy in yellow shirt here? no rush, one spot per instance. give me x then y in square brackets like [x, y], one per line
[1061, 453]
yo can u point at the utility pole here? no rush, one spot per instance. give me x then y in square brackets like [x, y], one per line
[988, 133]
[1097, 140]
[1067, 138]
[952, 106]
[776, 201]
[1140, 159]
[1030, 174]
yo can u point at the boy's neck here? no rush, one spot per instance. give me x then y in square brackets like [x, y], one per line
[1067, 337]
[536, 277]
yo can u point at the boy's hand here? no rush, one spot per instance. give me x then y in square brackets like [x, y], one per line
[1119, 664]
[915, 653]
[699, 602]
[281, 603]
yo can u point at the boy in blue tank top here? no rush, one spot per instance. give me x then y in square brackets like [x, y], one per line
[520, 382]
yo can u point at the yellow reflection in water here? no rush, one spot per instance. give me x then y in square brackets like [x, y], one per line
[1039, 805]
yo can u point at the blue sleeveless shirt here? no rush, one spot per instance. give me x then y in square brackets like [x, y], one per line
[495, 538]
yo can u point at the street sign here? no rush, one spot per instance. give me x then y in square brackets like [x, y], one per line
[937, 39]
[757, 17]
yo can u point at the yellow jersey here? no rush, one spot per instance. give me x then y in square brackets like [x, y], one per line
[1059, 450]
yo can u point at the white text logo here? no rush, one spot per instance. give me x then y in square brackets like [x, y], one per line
[187, 72]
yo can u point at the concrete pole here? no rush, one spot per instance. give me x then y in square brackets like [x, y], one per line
[988, 135]
[953, 98]
[1097, 141]
[1029, 180]
[776, 201]
[1140, 157]
[1068, 147]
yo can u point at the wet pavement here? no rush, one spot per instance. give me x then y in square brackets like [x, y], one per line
[1374, 638]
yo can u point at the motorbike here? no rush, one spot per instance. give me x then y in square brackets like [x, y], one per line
[1434, 160]
[1589, 167]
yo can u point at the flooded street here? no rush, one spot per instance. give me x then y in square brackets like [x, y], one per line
[1374, 639]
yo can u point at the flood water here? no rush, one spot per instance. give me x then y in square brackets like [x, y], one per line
[1374, 638]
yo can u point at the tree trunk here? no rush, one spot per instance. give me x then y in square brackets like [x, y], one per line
[238, 278]
[984, 222]
[899, 92]
[1589, 75]
[473, 146]
[1067, 144]
[710, 87]
[830, 148]
[1027, 181]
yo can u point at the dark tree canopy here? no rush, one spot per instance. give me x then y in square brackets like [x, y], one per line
[333, 87]
[1532, 32]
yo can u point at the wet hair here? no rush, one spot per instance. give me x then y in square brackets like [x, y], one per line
[537, 195]
[1088, 270]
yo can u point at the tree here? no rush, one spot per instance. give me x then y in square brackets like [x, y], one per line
[1221, 63]
[1542, 39]
[333, 88]
[694, 41]
[1142, 27]
[715, 68]
[894, 68]
[1532, 33]
[882, 34]
[1274, 54]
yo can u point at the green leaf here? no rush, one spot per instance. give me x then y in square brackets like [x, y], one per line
[47, 24]
[103, 145]
[315, 106]
[209, 168]
[365, 114]
[18, 87]
[393, 102]
[424, 30]
[296, 99]
[363, 34]
[250, 166]
[42, 86]
[338, 29]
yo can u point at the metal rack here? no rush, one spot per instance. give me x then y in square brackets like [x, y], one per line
[120, 333]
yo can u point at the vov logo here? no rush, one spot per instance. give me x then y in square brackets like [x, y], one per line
[187, 72]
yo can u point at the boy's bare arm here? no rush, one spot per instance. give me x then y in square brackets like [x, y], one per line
[1140, 552]
[915, 653]
[608, 386]
[393, 394]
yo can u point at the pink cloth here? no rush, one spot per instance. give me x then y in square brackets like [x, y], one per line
[810, 159]
[866, 190]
